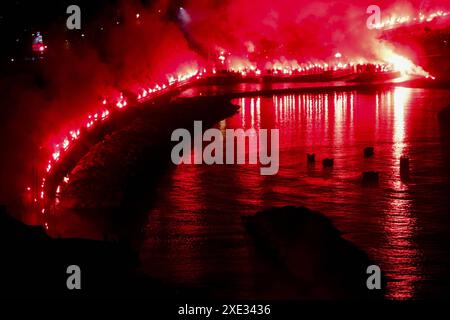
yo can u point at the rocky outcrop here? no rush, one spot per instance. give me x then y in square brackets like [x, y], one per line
[35, 265]
[312, 251]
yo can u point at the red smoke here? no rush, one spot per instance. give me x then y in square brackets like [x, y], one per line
[295, 29]
[150, 43]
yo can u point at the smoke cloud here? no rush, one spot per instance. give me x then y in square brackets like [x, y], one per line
[131, 44]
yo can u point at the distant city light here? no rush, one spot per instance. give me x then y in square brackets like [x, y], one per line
[38, 43]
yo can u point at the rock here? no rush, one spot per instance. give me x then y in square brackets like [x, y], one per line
[311, 157]
[370, 178]
[34, 265]
[328, 162]
[312, 251]
[368, 152]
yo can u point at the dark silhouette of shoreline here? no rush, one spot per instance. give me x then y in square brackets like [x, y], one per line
[296, 243]
[34, 265]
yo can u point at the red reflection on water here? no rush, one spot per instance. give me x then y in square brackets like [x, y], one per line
[402, 256]
[401, 100]
[196, 233]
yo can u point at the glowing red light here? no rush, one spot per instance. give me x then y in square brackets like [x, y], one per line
[244, 68]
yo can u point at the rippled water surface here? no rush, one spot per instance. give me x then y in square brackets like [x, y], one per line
[195, 234]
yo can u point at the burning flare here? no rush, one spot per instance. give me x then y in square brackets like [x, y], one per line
[403, 64]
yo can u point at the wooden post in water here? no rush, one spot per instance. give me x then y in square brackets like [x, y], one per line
[404, 168]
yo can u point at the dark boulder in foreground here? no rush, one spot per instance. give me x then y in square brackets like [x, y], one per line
[34, 265]
[311, 250]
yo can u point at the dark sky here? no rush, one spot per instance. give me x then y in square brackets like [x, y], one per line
[19, 19]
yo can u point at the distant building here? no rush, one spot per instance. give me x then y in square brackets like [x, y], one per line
[38, 43]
